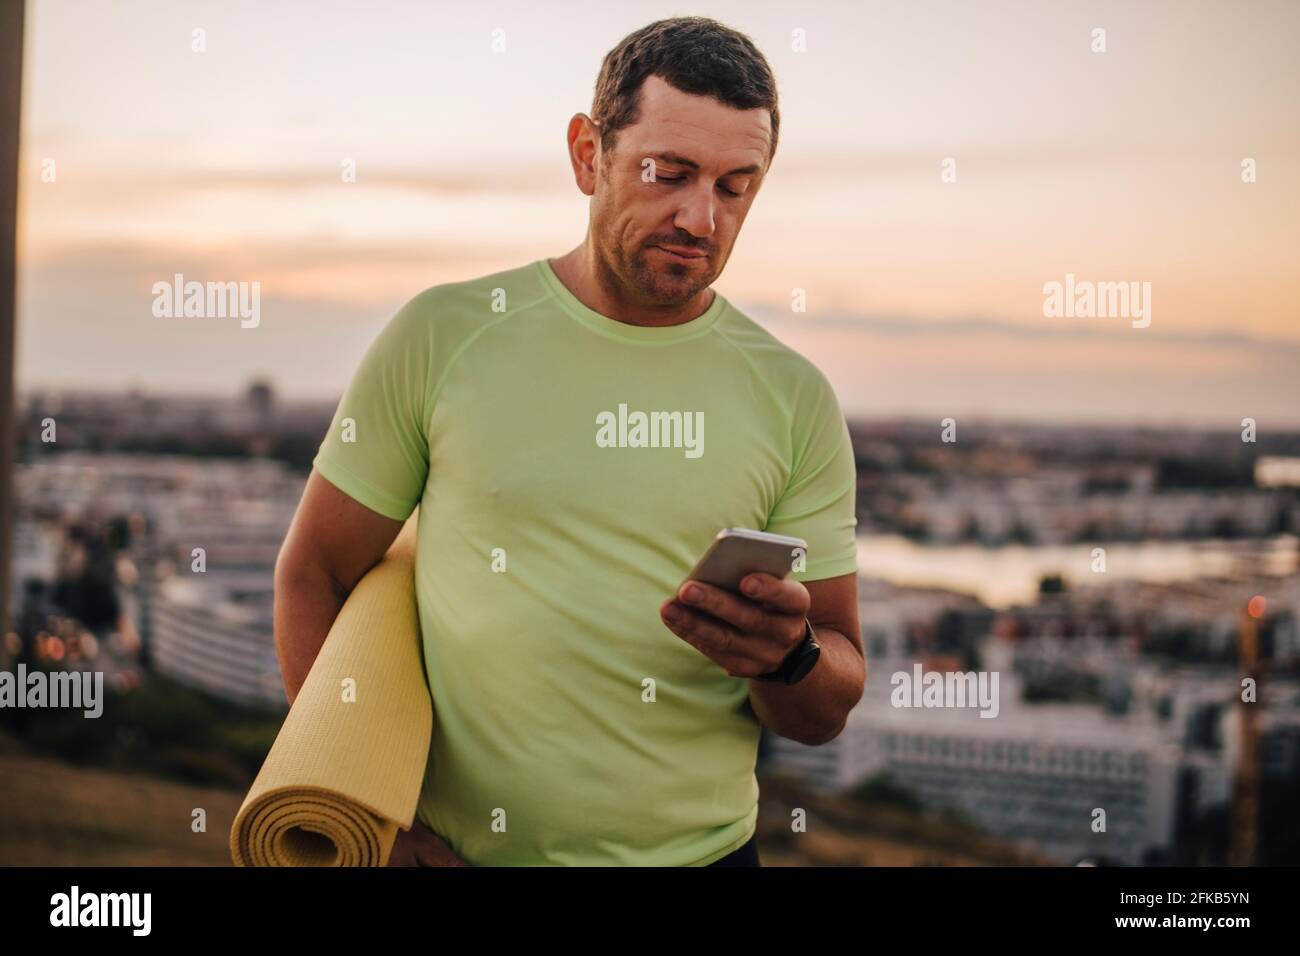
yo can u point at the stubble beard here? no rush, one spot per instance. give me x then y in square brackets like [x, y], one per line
[661, 283]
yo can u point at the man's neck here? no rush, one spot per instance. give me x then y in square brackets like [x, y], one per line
[577, 270]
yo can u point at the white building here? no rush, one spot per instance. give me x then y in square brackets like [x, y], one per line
[1036, 776]
[213, 632]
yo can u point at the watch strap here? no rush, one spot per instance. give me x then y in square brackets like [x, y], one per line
[798, 662]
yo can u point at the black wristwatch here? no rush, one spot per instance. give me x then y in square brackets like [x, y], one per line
[799, 661]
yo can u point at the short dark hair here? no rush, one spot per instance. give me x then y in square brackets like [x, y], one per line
[696, 55]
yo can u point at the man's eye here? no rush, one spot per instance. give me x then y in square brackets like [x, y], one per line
[678, 179]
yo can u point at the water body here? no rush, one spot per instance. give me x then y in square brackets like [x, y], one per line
[1009, 574]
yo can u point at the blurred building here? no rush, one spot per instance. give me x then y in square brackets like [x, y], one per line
[213, 632]
[1156, 749]
[195, 575]
[1034, 776]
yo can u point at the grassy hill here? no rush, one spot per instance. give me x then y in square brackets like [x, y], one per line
[54, 813]
[866, 830]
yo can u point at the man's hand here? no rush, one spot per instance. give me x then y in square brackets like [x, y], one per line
[420, 846]
[746, 636]
[751, 635]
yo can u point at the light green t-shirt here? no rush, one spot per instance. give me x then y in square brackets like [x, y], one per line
[556, 514]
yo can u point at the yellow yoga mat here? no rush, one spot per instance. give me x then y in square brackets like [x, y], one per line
[346, 769]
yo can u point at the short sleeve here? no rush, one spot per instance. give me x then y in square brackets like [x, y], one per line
[377, 448]
[819, 503]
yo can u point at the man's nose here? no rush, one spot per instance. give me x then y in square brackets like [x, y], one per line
[696, 212]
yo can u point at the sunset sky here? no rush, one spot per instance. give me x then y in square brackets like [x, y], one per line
[924, 297]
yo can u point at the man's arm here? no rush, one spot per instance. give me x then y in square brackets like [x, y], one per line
[752, 635]
[332, 542]
[815, 710]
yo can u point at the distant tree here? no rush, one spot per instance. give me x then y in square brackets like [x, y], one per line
[883, 790]
[1020, 533]
[1204, 473]
[1225, 526]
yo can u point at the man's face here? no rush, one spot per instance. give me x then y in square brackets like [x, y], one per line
[708, 161]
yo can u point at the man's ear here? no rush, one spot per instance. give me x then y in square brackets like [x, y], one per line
[584, 151]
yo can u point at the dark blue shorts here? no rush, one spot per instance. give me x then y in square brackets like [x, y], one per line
[746, 855]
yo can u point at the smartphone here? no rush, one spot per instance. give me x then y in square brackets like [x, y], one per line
[738, 552]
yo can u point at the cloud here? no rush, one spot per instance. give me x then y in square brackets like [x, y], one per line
[1062, 331]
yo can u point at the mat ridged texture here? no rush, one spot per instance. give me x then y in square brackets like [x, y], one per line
[342, 777]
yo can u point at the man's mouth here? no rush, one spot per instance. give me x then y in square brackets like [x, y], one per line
[681, 253]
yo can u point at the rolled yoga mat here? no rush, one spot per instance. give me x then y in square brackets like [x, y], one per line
[344, 775]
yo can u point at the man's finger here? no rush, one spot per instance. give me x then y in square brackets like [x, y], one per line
[785, 595]
[741, 655]
[711, 637]
[744, 615]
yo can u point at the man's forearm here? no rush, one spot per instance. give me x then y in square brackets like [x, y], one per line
[814, 710]
[306, 604]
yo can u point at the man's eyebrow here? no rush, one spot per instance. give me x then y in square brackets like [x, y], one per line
[692, 164]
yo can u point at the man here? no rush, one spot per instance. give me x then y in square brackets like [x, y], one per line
[586, 710]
